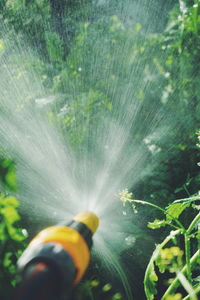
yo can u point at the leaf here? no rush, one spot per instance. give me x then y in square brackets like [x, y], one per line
[197, 279]
[11, 201]
[157, 224]
[11, 179]
[174, 210]
[7, 259]
[94, 283]
[196, 206]
[10, 214]
[178, 190]
[107, 287]
[117, 296]
[16, 234]
[150, 283]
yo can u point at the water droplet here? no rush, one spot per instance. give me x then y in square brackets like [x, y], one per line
[167, 75]
[130, 240]
[24, 232]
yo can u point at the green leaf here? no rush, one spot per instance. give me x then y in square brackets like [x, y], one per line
[7, 259]
[94, 283]
[196, 206]
[197, 279]
[117, 296]
[150, 283]
[12, 201]
[10, 214]
[11, 179]
[174, 210]
[16, 234]
[6, 163]
[157, 224]
[107, 287]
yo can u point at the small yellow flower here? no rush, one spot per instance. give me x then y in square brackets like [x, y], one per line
[170, 259]
[177, 296]
[125, 196]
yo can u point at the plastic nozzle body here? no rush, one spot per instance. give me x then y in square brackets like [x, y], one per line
[89, 219]
[64, 249]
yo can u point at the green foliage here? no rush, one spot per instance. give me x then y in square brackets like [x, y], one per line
[12, 241]
[12, 235]
[8, 173]
[174, 210]
[150, 284]
[157, 224]
[54, 46]
[176, 63]
[170, 259]
[95, 290]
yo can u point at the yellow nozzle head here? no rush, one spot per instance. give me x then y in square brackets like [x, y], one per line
[89, 219]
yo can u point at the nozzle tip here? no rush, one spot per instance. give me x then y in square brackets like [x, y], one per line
[89, 219]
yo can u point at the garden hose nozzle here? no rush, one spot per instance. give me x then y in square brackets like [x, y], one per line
[57, 258]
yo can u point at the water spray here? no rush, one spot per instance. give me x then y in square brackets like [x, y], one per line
[57, 258]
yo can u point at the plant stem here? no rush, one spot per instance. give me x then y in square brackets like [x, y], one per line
[187, 245]
[187, 286]
[185, 188]
[173, 286]
[190, 199]
[193, 223]
[174, 226]
[187, 256]
[196, 290]
[161, 209]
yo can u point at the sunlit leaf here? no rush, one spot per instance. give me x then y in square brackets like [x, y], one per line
[157, 224]
[150, 283]
[10, 214]
[196, 206]
[107, 287]
[174, 210]
[117, 296]
[94, 283]
[11, 201]
[7, 261]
